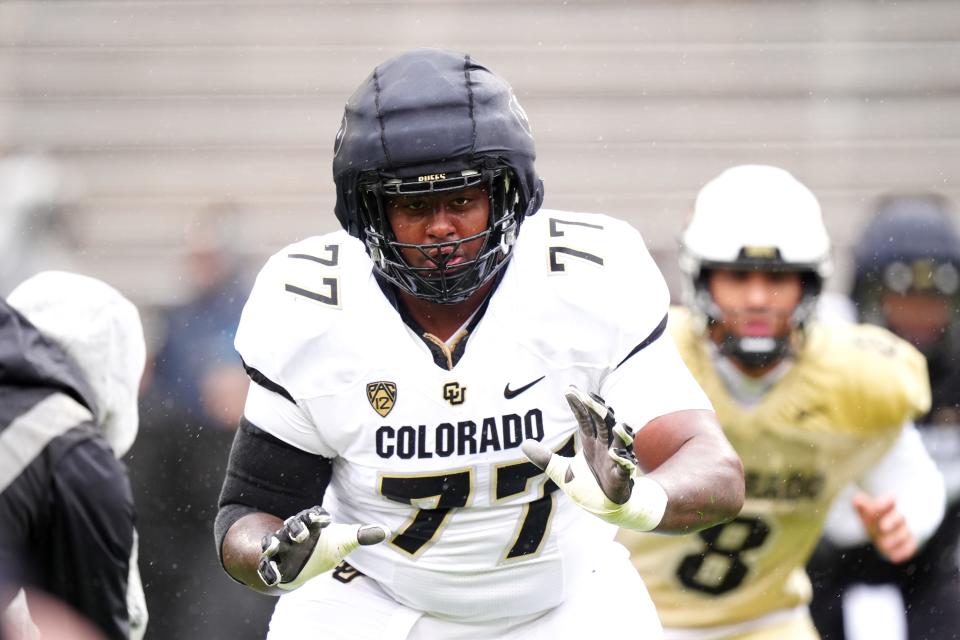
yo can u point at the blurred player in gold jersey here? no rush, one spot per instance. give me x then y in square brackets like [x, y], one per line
[809, 407]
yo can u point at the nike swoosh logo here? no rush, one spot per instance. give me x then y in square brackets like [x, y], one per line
[513, 393]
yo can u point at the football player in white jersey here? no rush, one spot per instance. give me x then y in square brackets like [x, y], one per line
[808, 406]
[406, 367]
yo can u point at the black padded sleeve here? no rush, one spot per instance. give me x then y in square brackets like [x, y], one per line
[265, 474]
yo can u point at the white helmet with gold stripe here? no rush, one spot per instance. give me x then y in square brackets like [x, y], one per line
[755, 217]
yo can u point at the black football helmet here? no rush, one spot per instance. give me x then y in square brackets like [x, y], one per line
[424, 122]
[912, 244]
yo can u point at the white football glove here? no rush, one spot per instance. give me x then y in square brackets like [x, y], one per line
[309, 544]
[603, 476]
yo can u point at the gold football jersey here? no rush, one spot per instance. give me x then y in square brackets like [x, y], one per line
[833, 415]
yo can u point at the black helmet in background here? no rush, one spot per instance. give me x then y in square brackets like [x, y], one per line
[907, 273]
[424, 122]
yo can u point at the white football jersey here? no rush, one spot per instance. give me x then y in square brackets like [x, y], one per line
[433, 453]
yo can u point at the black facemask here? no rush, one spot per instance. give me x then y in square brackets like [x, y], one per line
[442, 283]
[755, 352]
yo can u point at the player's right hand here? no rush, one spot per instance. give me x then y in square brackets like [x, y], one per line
[309, 544]
[602, 476]
[887, 527]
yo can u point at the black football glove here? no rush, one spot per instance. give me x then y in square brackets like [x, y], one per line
[607, 444]
[309, 544]
[603, 475]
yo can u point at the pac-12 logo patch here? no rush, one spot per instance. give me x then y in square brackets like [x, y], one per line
[382, 396]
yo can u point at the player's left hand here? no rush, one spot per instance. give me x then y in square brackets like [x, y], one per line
[601, 477]
[886, 526]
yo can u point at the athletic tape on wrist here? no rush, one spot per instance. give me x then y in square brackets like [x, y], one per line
[645, 508]
[335, 542]
[642, 512]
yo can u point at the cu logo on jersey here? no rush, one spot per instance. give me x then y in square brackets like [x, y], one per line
[382, 396]
[454, 393]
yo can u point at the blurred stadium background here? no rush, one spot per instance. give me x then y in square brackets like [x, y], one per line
[161, 107]
[131, 117]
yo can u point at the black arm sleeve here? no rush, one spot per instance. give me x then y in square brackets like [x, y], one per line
[265, 474]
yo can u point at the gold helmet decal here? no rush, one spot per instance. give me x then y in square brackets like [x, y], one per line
[761, 253]
[382, 396]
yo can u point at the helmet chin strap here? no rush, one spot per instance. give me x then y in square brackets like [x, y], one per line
[508, 238]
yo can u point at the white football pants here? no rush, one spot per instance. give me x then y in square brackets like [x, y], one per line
[611, 602]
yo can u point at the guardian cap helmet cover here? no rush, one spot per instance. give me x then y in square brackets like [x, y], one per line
[430, 121]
